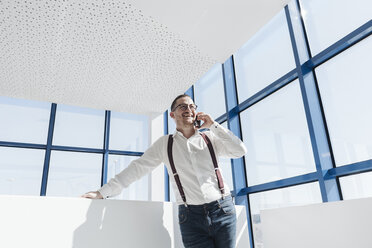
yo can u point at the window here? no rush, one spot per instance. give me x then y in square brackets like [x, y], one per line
[79, 127]
[345, 88]
[24, 121]
[356, 186]
[74, 173]
[327, 22]
[264, 58]
[276, 135]
[210, 93]
[129, 132]
[21, 171]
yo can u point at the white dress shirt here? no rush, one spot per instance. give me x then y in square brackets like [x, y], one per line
[192, 160]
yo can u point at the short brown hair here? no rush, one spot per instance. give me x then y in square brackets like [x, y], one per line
[175, 100]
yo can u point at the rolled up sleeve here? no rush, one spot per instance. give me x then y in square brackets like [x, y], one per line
[151, 158]
[226, 143]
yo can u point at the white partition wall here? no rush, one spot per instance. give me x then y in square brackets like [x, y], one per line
[342, 224]
[156, 184]
[46, 222]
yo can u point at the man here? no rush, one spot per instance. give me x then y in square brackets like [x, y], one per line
[206, 210]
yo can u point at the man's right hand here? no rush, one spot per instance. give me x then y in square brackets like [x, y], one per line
[92, 195]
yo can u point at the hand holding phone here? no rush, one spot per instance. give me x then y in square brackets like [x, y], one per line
[203, 120]
[197, 123]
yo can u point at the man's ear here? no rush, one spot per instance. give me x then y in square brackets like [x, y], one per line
[171, 114]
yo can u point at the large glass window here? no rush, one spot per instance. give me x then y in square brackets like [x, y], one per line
[286, 197]
[264, 58]
[276, 135]
[345, 88]
[73, 173]
[23, 120]
[138, 190]
[328, 21]
[79, 127]
[21, 171]
[356, 186]
[210, 93]
[129, 132]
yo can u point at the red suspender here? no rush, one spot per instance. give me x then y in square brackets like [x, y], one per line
[174, 171]
[215, 164]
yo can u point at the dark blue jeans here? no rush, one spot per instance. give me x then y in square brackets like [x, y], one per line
[211, 225]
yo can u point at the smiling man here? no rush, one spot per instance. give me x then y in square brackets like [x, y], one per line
[206, 210]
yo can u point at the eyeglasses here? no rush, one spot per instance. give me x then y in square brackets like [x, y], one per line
[184, 107]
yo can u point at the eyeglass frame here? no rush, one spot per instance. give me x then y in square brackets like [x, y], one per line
[187, 106]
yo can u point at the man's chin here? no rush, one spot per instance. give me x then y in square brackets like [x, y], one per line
[188, 122]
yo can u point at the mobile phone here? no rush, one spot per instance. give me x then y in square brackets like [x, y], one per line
[197, 123]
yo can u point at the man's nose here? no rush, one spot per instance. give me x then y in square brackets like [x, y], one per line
[188, 107]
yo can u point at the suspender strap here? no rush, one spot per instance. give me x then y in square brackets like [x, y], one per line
[174, 171]
[215, 164]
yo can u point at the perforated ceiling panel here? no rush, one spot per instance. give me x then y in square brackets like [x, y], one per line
[98, 54]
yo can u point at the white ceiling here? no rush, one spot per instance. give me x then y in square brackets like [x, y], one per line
[130, 56]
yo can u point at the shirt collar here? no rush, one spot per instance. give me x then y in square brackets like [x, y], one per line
[178, 133]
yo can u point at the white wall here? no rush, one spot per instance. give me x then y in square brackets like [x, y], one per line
[46, 222]
[342, 224]
[156, 184]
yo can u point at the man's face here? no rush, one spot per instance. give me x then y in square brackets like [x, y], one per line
[182, 115]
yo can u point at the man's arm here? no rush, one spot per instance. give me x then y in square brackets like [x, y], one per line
[224, 141]
[152, 157]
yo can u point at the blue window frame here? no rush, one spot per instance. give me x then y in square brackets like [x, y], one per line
[310, 56]
[327, 178]
[93, 160]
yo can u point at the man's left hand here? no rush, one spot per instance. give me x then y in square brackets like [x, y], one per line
[206, 118]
